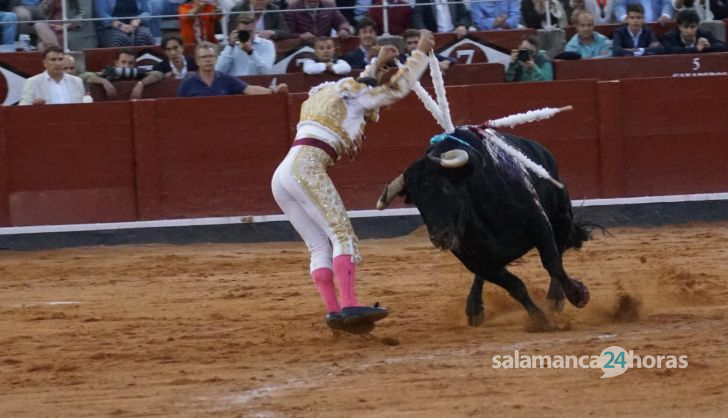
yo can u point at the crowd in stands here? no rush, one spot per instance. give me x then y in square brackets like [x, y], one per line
[121, 23]
[252, 27]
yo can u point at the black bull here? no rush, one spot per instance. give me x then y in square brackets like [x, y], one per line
[490, 211]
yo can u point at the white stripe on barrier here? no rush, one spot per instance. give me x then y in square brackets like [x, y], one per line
[372, 213]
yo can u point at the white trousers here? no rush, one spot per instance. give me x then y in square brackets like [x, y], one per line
[306, 194]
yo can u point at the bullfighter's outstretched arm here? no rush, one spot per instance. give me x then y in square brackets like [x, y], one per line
[401, 82]
[398, 86]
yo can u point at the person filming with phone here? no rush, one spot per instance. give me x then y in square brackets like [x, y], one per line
[529, 63]
[246, 53]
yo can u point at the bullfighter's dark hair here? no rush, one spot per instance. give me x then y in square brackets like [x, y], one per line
[369, 81]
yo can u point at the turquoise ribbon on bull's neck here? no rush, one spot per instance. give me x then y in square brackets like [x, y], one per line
[441, 137]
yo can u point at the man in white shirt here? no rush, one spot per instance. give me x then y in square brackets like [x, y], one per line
[249, 54]
[53, 86]
[325, 60]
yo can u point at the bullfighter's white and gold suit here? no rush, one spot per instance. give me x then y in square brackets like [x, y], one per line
[331, 125]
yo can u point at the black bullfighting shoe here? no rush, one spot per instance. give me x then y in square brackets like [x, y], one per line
[335, 321]
[355, 315]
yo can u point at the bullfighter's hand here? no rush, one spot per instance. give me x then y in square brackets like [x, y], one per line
[460, 32]
[426, 42]
[281, 88]
[387, 53]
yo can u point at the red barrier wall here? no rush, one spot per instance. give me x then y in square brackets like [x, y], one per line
[617, 68]
[208, 156]
[675, 137]
[171, 158]
[64, 166]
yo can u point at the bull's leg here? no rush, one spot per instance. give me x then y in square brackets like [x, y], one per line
[575, 291]
[555, 296]
[515, 287]
[474, 305]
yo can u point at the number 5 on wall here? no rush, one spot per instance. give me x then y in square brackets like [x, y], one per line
[696, 63]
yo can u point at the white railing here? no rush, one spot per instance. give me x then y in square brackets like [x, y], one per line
[386, 6]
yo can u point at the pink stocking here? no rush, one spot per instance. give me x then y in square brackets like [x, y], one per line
[346, 278]
[323, 278]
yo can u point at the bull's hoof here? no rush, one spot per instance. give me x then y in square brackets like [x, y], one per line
[577, 293]
[540, 323]
[477, 319]
[541, 326]
[555, 305]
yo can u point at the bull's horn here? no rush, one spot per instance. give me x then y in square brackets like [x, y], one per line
[454, 158]
[391, 191]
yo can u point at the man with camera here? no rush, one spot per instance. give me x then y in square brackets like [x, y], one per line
[121, 69]
[246, 53]
[529, 63]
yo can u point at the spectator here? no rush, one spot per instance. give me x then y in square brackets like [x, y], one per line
[602, 11]
[8, 27]
[653, 10]
[503, 14]
[529, 63]
[27, 10]
[316, 22]
[246, 53]
[586, 42]
[399, 15]
[688, 39]
[208, 82]
[195, 28]
[53, 86]
[367, 49]
[162, 8]
[325, 61]
[411, 38]
[269, 21]
[69, 64]
[346, 12]
[122, 69]
[635, 39]
[534, 13]
[701, 7]
[123, 23]
[177, 65]
[442, 17]
[81, 34]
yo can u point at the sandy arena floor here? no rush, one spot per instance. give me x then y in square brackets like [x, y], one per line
[237, 330]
